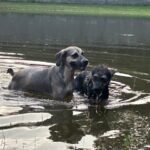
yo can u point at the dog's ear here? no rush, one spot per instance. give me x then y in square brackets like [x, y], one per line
[60, 58]
[10, 71]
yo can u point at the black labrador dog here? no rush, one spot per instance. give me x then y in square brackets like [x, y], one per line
[56, 81]
[94, 84]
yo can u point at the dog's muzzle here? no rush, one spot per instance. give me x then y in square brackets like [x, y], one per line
[84, 63]
[97, 91]
[79, 65]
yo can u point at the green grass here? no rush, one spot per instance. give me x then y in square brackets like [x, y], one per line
[64, 9]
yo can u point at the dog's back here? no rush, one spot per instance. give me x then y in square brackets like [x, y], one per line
[30, 79]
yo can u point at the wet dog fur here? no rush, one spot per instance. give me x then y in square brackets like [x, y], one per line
[95, 83]
[56, 81]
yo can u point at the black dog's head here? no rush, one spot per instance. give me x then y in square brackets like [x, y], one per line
[101, 77]
[99, 81]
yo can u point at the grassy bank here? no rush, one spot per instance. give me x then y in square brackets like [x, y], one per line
[64, 9]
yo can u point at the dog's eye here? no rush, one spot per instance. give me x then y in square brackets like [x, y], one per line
[75, 55]
[82, 53]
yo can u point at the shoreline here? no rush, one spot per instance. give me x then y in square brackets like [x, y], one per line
[69, 9]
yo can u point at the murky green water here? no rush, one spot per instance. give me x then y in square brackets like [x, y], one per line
[35, 123]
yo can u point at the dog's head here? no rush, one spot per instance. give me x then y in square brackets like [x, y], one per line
[72, 57]
[100, 78]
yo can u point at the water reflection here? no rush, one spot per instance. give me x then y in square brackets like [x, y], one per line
[66, 129]
[78, 30]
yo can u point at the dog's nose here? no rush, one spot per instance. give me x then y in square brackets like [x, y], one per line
[85, 62]
[96, 87]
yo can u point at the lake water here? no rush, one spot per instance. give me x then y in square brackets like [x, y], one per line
[30, 122]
